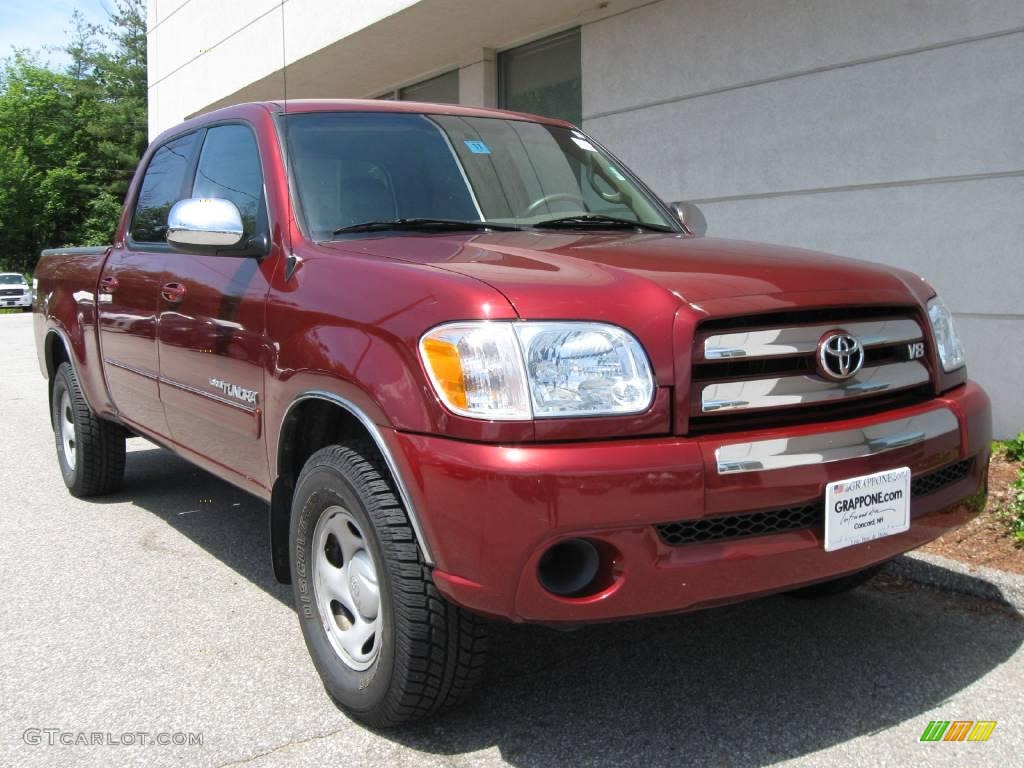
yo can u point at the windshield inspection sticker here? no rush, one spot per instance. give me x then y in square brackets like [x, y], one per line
[584, 144]
[477, 147]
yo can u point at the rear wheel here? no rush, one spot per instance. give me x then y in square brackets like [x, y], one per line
[837, 586]
[90, 450]
[387, 646]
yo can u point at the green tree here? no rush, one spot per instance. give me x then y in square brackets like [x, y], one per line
[70, 139]
[34, 139]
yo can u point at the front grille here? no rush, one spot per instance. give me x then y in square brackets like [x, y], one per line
[741, 421]
[750, 524]
[762, 371]
[11, 291]
[940, 478]
[740, 526]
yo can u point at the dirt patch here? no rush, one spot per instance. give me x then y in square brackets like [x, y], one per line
[986, 540]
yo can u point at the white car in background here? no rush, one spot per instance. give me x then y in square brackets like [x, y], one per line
[15, 291]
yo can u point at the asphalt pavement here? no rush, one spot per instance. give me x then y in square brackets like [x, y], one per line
[153, 614]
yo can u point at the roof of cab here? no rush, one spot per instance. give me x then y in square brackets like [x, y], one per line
[415, 107]
[298, 106]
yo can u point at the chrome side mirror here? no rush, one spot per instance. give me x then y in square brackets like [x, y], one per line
[691, 217]
[201, 223]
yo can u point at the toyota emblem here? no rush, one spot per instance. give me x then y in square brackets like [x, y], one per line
[840, 356]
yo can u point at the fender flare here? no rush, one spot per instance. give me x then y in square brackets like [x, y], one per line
[281, 494]
[60, 336]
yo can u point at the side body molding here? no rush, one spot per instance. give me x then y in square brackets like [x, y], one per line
[375, 434]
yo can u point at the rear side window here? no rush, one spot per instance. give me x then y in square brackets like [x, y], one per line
[162, 187]
[229, 168]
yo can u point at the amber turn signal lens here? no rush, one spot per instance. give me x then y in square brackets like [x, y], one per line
[443, 359]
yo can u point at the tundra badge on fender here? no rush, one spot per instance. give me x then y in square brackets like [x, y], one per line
[235, 391]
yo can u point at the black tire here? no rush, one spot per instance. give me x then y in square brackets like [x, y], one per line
[431, 653]
[96, 463]
[836, 586]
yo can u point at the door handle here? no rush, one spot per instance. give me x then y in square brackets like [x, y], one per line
[173, 292]
[108, 284]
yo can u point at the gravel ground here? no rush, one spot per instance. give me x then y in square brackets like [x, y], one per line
[155, 610]
[986, 542]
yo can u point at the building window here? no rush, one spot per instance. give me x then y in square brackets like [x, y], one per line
[543, 77]
[443, 89]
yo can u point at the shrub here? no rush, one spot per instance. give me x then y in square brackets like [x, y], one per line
[1014, 449]
[1016, 508]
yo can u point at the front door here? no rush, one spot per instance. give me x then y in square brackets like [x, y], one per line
[212, 338]
[129, 290]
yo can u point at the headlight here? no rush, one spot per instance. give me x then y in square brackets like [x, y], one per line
[522, 370]
[947, 340]
[477, 370]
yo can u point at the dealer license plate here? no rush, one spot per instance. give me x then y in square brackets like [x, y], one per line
[865, 508]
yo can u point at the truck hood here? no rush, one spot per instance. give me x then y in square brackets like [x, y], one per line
[570, 275]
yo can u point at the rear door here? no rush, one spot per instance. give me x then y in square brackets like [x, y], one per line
[129, 288]
[212, 338]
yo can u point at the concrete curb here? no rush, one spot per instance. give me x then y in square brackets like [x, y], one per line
[949, 575]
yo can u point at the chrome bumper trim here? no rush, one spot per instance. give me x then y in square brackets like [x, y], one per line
[805, 390]
[789, 452]
[799, 340]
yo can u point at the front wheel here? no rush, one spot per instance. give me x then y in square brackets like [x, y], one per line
[90, 450]
[387, 646]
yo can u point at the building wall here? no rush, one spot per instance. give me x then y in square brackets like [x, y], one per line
[206, 54]
[886, 130]
[201, 51]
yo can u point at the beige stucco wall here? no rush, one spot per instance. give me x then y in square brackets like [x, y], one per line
[204, 54]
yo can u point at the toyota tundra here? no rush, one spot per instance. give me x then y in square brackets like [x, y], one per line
[480, 371]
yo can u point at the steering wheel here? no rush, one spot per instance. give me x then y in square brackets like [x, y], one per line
[552, 198]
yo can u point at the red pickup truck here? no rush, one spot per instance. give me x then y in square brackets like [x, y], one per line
[479, 370]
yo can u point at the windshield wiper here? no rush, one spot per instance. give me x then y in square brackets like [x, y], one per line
[599, 220]
[423, 223]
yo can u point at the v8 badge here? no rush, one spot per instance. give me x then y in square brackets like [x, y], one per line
[915, 350]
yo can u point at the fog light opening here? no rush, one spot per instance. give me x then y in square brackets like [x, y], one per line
[570, 568]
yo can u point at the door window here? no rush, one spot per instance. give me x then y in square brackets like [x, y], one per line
[161, 188]
[229, 168]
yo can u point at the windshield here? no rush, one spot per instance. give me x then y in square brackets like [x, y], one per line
[353, 168]
[12, 280]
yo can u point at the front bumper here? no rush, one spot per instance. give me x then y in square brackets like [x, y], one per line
[25, 300]
[489, 512]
